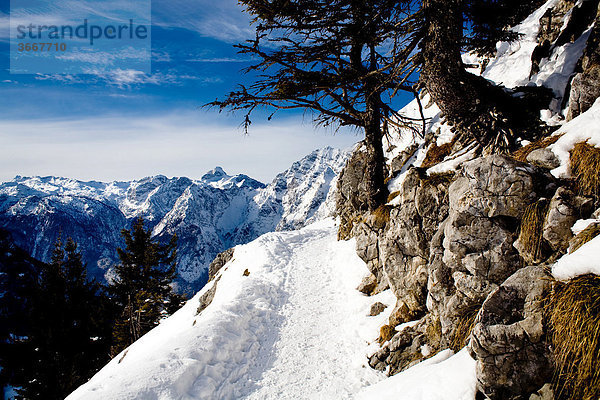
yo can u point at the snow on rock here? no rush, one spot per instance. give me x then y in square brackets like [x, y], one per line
[584, 128]
[454, 162]
[294, 328]
[442, 377]
[556, 70]
[582, 224]
[512, 64]
[582, 261]
[304, 193]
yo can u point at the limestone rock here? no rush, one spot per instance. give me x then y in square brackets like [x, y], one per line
[377, 308]
[496, 186]
[368, 234]
[543, 158]
[400, 160]
[422, 206]
[367, 285]
[220, 260]
[509, 337]
[585, 86]
[350, 196]
[208, 296]
[559, 220]
[473, 253]
[545, 393]
[447, 246]
[402, 351]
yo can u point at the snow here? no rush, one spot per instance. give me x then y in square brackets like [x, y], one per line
[556, 70]
[451, 164]
[581, 224]
[586, 127]
[582, 261]
[445, 376]
[512, 64]
[295, 328]
[209, 215]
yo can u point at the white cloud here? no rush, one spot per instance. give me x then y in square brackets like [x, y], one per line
[179, 144]
[223, 20]
[105, 58]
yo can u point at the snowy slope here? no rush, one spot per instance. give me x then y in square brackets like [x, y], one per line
[294, 328]
[445, 376]
[583, 129]
[582, 261]
[209, 214]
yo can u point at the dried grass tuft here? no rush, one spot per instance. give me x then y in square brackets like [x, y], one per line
[531, 229]
[585, 168]
[436, 154]
[585, 236]
[522, 153]
[347, 225]
[574, 318]
[392, 196]
[386, 332]
[381, 216]
[464, 326]
[442, 178]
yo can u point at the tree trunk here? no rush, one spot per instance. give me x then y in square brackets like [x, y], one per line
[374, 172]
[443, 71]
[482, 113]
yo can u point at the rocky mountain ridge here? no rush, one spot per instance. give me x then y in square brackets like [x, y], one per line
[209, 214]
[466, 244]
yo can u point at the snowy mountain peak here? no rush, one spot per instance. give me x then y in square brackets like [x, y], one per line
[215, 174]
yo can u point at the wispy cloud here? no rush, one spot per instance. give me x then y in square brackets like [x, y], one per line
[219, 60]
[223, 20]
[125, 78]
[104, 58]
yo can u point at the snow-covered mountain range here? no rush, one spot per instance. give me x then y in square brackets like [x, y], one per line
[208, 215]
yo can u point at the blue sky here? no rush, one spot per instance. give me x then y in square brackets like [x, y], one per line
[125, 124]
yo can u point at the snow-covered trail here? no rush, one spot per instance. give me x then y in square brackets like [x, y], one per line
[294, 328]
[314, 356]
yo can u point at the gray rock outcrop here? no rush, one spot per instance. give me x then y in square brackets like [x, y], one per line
[220, 260]
[585, 86]
[543, 158]
[559, 220]
[351, 187]
[509, 337]
[422, 205]
[473, 253]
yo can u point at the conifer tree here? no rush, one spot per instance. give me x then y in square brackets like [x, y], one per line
[142, 287]
[343, 60]
[67, 338]
[490, 116]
